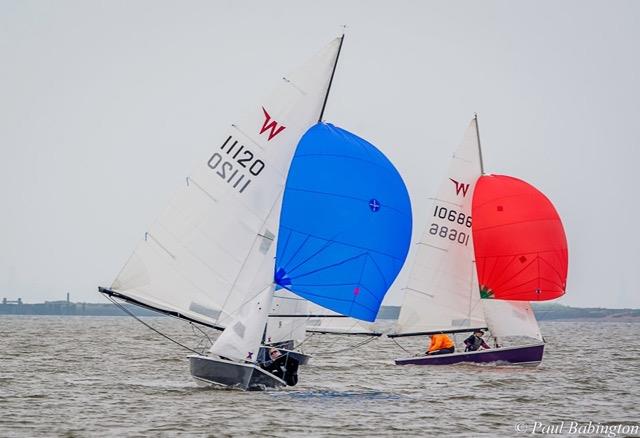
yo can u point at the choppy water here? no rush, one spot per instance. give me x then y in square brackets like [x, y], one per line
[102, 376]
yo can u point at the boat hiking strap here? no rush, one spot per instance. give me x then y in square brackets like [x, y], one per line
[150, 327]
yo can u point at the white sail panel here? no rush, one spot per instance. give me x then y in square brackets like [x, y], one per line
[342, 326]
[339, 324]
[242, 338]
[511, 318]
[203, 254]
[442, 291]
[280, 329]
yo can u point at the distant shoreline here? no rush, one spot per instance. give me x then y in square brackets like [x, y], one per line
[544, 311]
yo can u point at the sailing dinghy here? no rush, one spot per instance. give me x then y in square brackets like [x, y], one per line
[515, 246]
[339, 209]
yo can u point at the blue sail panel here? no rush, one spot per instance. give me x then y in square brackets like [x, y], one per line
[345, 224]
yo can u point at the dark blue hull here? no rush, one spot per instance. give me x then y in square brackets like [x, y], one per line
[529, 355]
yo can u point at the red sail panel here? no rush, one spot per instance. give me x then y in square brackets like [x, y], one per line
[519, 242]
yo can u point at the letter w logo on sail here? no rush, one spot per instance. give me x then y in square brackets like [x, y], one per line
[270, 125]
[460, 187]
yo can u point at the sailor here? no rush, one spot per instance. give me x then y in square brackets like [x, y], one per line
[441, 344]
[475, 341]
[282, 366]
[273, 365]
[274, 353]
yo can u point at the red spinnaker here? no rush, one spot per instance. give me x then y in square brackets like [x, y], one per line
[520, 245]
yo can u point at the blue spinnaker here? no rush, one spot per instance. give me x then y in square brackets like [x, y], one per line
[345, 224]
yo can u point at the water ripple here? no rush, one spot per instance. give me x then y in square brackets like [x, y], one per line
[107, 376]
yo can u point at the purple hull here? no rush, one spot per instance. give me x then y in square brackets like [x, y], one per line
[530, 355]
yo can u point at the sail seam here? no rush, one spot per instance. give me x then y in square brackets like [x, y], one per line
[289, 188]
[327, 244]
[528, 221]
[345, 244]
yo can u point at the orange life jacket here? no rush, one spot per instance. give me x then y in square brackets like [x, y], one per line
[438, 342]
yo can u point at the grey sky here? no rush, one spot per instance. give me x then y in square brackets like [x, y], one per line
[106, 106]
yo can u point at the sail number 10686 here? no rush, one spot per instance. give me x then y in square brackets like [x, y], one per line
[448, 232]
[452, 216]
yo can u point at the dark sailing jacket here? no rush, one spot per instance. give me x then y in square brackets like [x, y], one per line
[474, 342]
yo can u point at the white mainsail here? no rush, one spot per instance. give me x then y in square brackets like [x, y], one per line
[287, 328]
[442, 291]
[203, 257]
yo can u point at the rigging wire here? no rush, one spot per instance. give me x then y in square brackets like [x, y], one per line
[203, 338]
[352, 347]
[193, 327]
[306, 339]
[149, 326]
[396, 342]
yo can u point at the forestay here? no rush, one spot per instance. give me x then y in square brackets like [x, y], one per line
[345, 225]
[442, 291]
[202, 257]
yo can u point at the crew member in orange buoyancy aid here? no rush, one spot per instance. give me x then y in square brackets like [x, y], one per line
[441, 344]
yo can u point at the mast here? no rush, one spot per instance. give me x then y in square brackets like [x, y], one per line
[333, 72]
[478, 136]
